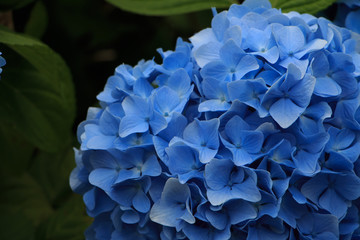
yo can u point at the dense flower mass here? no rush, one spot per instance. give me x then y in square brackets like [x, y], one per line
[251, 131]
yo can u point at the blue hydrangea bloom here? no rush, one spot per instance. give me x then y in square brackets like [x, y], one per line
[249, 131]
[2, 63]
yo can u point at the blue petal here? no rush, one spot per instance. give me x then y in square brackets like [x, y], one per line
[231, 54]
[285, 112]
[314, 187]
[179, 81]
[103, 178]
[240, 211]
[213, 105]
[142, 88]
[332, 202]
[207, 53]
[171, 206]
[246, 190]
[219, 25]
[166, 101]
[157, 123]
[320, 65]
[352, 21]
[134, 105]
[132, 124]
[326, 87]
[311, 46]
[218, 219]
[348, 186]
[130, 217]
[217, 173]
[141, 202]
[290, 39]
[215, 70]
[247, 64]
[182, 159]
[151, 167]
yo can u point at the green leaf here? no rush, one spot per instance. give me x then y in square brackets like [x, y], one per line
[38, 20]
[13, 160]
[22, 194]
[168, 7]
[69, 222]
[13, 4]
[302, 6]
[52, 171]
[36, 95]
[15, 226]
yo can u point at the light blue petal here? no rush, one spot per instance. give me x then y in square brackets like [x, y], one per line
[179, 81]
[311, 46]
[101, 142]
[135, 105]
[166, 101]
[233, 32]
[219, 25]
[157, 123]
[132, 124]
[241, 157]
[103, 178]
[207, 53]
[213, 105]
[247, 64]
[142, 88]
[290, 39]
[231, 54]
[215, 70]
[271, 55]
[320, 65]
[285, 112]
[326, 87]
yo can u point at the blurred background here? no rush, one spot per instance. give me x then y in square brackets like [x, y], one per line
[44, 95]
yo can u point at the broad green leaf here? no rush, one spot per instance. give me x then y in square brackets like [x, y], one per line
[13, 4]
[302, 6]
[22, 194]
[52, 170]
[38, 20]
[13, 160]
[36, 95]
[168, 7]
[15, 226]
[69, 222]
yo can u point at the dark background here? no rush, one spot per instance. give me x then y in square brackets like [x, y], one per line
[94, 37]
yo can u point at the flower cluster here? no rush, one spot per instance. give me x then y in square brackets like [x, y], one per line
[348, 14]
[251, 131]
[2, 62]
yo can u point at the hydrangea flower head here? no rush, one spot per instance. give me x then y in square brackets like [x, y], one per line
[2, 62]
[250, 131]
